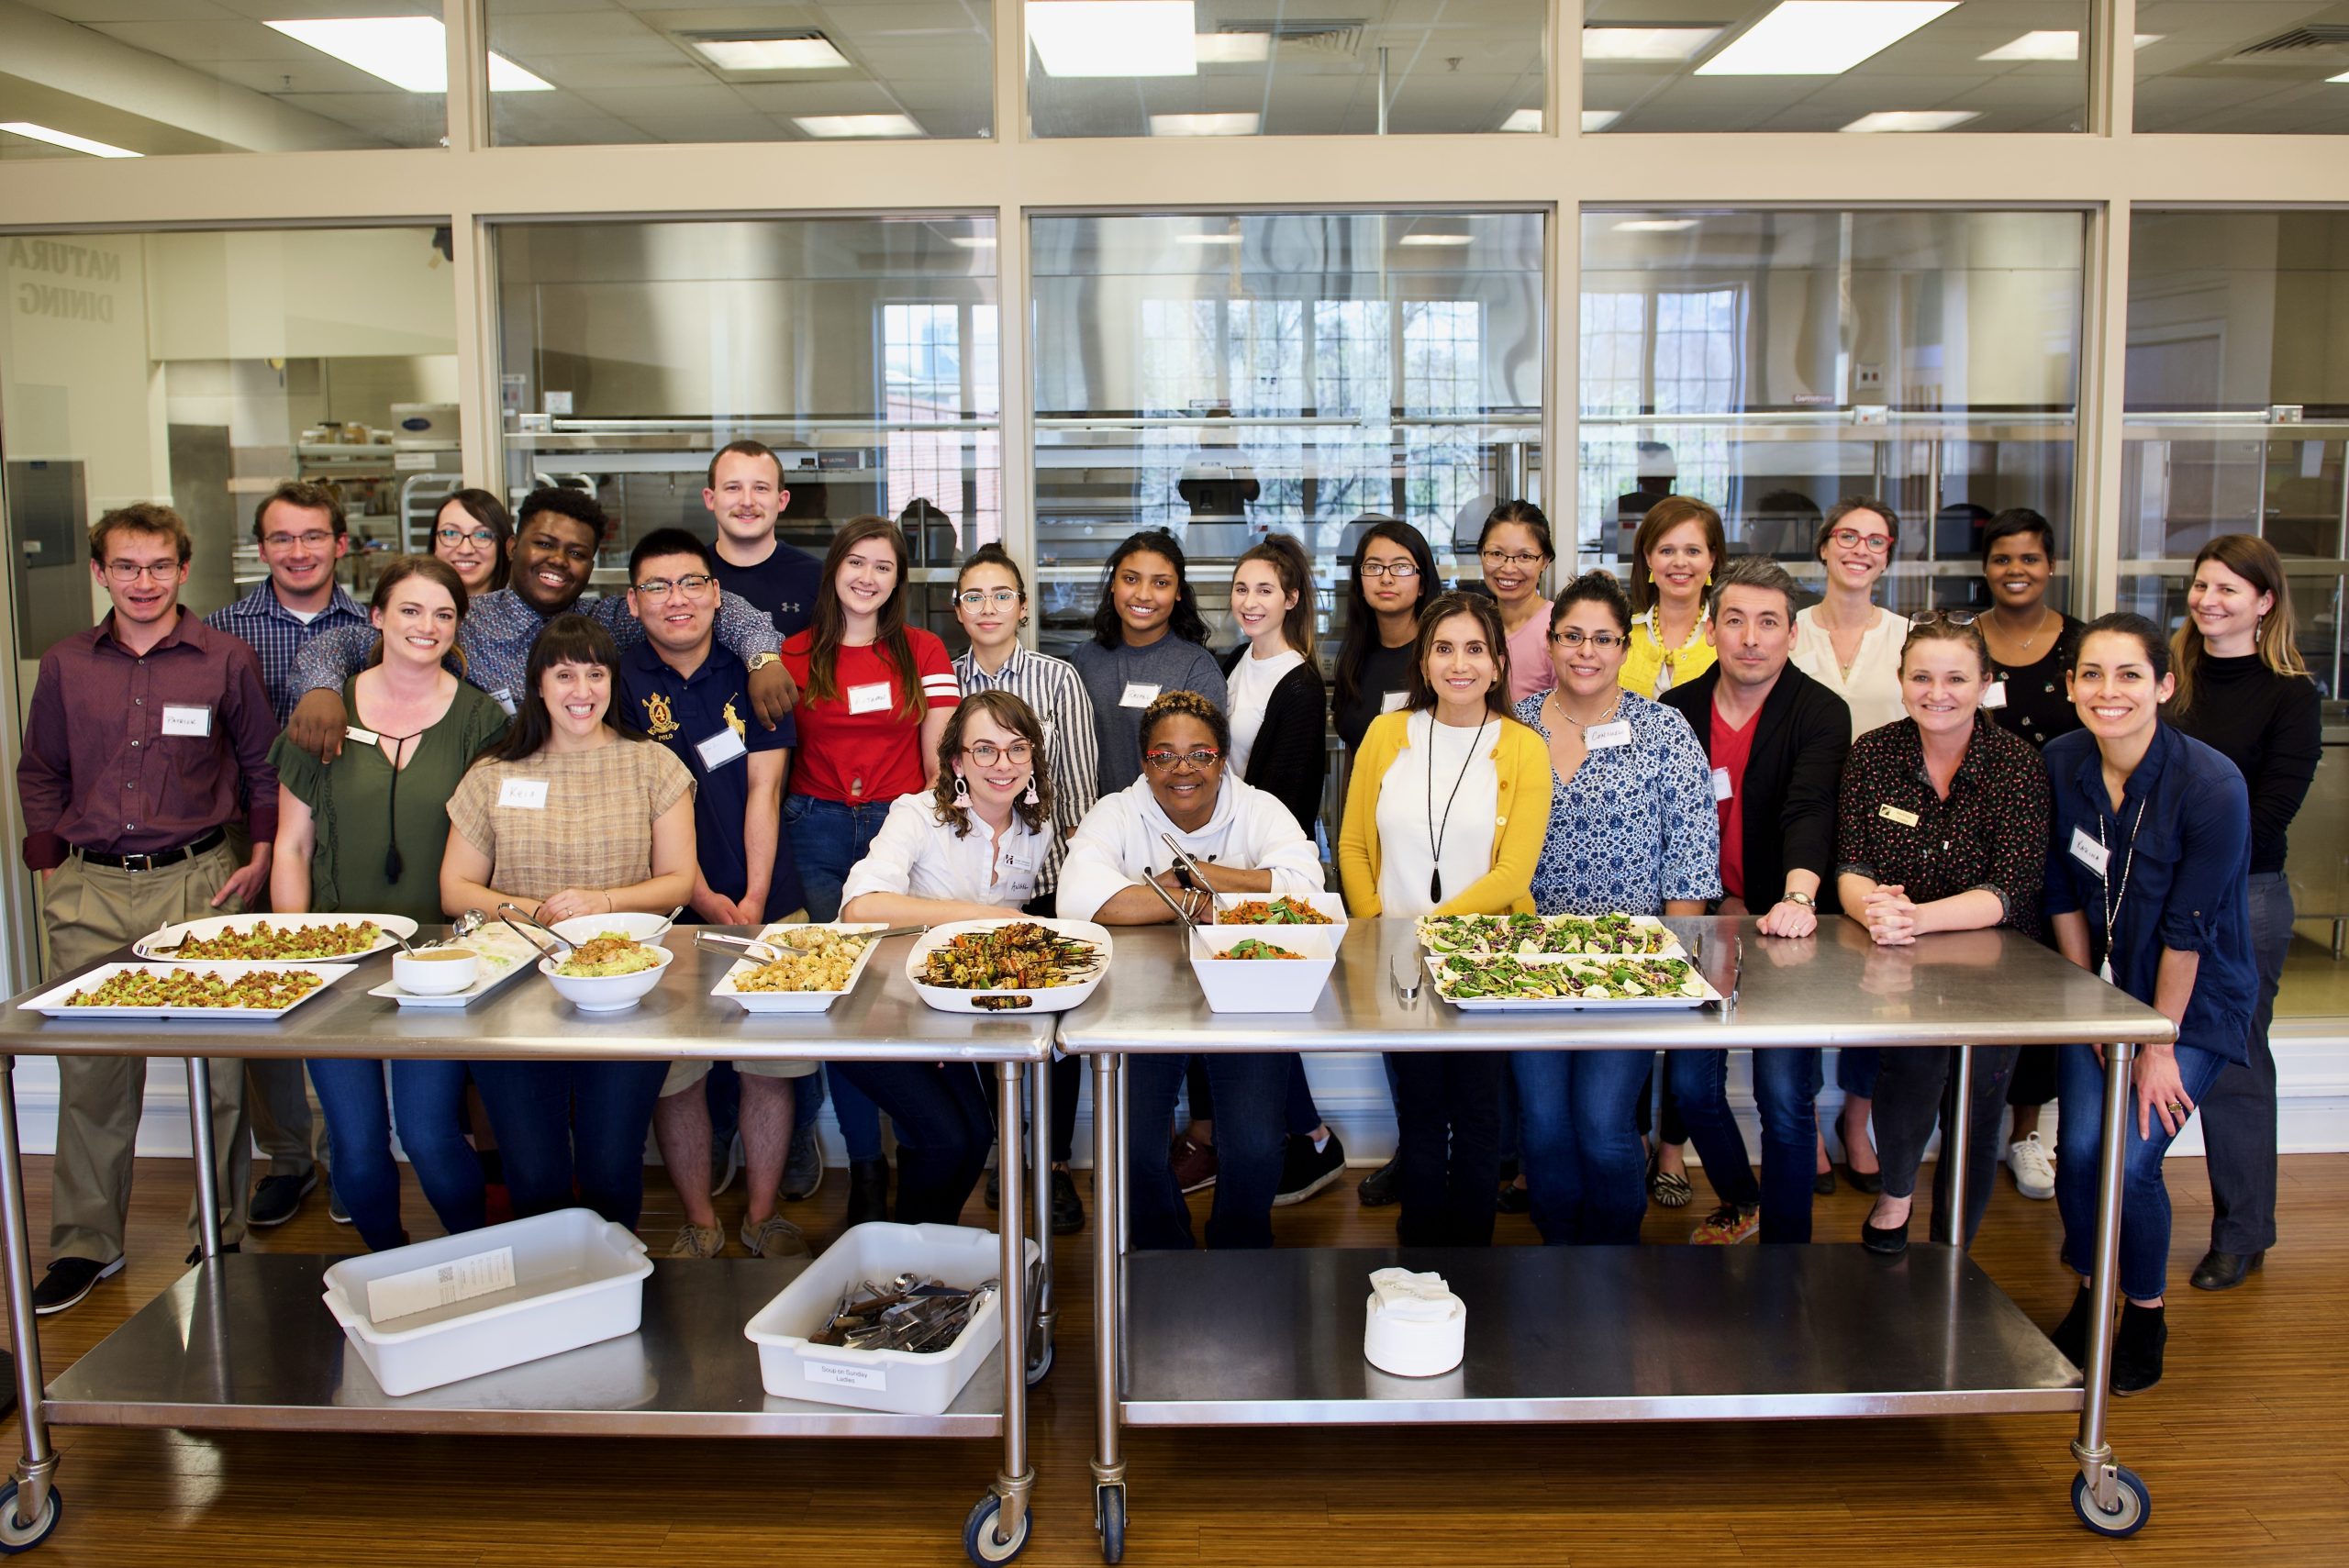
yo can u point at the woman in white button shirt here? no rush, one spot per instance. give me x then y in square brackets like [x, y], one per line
[1245, 842]
[969, 849]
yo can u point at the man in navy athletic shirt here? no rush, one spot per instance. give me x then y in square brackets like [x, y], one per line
[745, 493]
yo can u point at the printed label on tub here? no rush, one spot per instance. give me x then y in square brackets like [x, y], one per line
[842, 1376]
[440, 1284]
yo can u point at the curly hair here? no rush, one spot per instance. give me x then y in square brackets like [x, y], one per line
[1190, 705]
[1012, 714]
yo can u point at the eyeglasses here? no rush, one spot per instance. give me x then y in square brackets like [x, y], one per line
[1942, 617]
[317, 539]
[1200, 761]
[129, 572]
[691, 583]
[1574, 637]
[482, 537]
[986, 753]
[1852, 539]
[1400, 571]
[1498, 558]
[980, 598]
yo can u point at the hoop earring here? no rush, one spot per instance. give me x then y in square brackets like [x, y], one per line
[962, 790]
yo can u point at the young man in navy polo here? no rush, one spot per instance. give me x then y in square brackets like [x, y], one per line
[691, 696]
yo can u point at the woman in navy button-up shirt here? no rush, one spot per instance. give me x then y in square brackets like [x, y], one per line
[2146, 871]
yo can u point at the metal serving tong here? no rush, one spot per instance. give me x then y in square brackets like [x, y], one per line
[509, 912]
[909, 1313]
[1172, 901]
[761, 951]
[1190, 867]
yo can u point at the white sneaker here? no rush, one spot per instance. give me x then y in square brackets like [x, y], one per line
[2034, 1168]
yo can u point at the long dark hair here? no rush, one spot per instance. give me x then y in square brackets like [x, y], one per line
[1294, 569]
[1183, 622]
[889, 630]
[2254, 561]
[1362, 623]
[490, 512]
[1525, 515]
[1487, 616]
[569, 639]
[1013, 714]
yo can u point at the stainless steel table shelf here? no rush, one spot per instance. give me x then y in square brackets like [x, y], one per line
[1186, 1338]
[244, 1341]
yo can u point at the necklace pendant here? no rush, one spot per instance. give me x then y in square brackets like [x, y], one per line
[1435, 886]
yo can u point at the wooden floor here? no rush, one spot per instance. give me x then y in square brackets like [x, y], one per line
[2246, 1445]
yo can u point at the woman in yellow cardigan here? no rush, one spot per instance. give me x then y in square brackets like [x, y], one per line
[1446, 814]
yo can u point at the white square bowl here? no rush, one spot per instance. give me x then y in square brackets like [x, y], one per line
[1264, 985]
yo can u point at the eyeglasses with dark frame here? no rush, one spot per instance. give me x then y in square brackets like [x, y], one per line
[1198, 759]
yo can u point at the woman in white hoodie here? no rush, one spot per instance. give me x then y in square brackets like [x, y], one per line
[1245, 841]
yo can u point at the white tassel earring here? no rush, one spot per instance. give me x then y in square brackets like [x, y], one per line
[1031, 797]
[962, 790]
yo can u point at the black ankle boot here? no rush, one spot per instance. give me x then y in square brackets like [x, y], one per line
[2137, 1349]
[2071, 1336]
[868, 1191]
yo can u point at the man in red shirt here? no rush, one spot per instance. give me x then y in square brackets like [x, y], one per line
[147, 736]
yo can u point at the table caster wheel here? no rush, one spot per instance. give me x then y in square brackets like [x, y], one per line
[16, 1538]
[1109, 1514]
[2136, 1504]
[1039, 1364]
[978, 1534]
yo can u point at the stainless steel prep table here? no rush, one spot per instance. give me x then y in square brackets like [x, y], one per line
[1620, 1333]
[242, 1341]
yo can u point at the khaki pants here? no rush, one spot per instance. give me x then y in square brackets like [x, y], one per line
[90, 910]
[277, 1093]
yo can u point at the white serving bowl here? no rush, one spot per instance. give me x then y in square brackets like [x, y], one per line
[582, 928]
[1264, 985]
[1331, 904]
[434, 971]
[607, 992]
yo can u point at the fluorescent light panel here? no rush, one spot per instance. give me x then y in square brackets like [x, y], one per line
[1444, 239]
[1223, 236]
[1115, 37]
[771, 54]
[2061, 44]
[832, 128]
[410, 52]
[1654, 225]
[66, 140]
[1913, 119]
[1666, 44]
[1523, 119]
[1595, 120]
[1232, 49]
[971, 241]
[1205, 125]
[1822, 37]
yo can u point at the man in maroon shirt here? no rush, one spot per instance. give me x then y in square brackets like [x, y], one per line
[148, 735]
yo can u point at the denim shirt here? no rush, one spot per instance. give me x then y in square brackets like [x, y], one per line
[2179, 881]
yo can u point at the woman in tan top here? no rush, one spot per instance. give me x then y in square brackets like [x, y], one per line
[572, 814]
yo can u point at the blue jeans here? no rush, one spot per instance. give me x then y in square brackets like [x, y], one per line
[1855, 1071]
[1250, 1140]
[1586, 1175]
[573, 1132]
[1299, 1114]
[827, 837]
[945, 1128]
[2144, 1196]
[427, 1099]
[1785, 1092]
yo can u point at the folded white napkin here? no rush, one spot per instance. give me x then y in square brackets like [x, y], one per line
[1413, 1326]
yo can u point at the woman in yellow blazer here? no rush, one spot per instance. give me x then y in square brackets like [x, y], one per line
[1446, 814]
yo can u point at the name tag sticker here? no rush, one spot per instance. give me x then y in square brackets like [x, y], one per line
[529, 794]
[1995, 695]
[1607, 737]
[364, 737]
[1892, 813]
[842, 1376]
[1393, 701]
[871, 698]
[1722, 788]
[2088, 852]
[1139, 694]
[720, 749]
[504, 699]
[179, 719]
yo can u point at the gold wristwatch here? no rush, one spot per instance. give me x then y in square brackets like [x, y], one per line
[1805, 899]
[759, 662]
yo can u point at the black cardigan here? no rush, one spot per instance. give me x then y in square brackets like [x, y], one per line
[1793, 776]
[1291, 757]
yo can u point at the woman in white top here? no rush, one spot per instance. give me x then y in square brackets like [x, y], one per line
[1278, 707]
[1244, 841]
[1851, 647]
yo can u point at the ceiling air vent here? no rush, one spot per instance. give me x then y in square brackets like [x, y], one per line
[1340, 38]
[2299, 46]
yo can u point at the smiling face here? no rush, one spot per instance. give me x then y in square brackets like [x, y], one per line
[142, 572]
[299, 546]
[866, 578]
[677, 619]
[468, 545]
[1461, 666]
[1681, 563]
[746, 498]
[1259, 603]
[552, 556]
[2114, 689]
[1753, 635]
[1386, 594]
[2018, 568]
[1512, 559]
[1184, 791]
[1941, 685]
[2226, 609]
[577, 696]
[418, 621]
[1586, 649]
[1143, 590]
[1858, 549]
[992, 622]
[999, 775]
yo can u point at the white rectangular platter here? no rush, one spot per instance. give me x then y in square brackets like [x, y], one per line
[504, 955]
[1443, 934]
[1572, 1004]
[51, 1003]
[387, 928]
[796, 1001]
[1036, 999]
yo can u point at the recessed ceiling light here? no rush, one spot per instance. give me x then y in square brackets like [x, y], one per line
[2063, 45]
[1595, 120]
[1115, 37]
[830, 127]
[806, 53]
[1205, 125]
[1232, 49]
[406, 52]
[1654, 225]
[971, 241]
[1913, 119]
[1822, 37]
[1523, 119]
[2343, 77]
[1221, 236]
[1447, 240]
[66, 140]
[1601, 41]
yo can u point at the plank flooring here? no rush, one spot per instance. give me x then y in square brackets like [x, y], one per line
[2246, 1445]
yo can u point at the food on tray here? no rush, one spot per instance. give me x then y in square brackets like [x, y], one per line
[815, 958]
[1256, 948]
[1462, 977]
[1273, 912]
[263, 990]
[1009, 958]
[607, 954]
[1532, 934]
[282, 943]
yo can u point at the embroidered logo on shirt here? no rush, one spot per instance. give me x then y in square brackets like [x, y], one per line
[734, 722]
[659, 721]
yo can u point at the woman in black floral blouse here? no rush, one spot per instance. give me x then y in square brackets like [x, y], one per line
[1944, 827]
